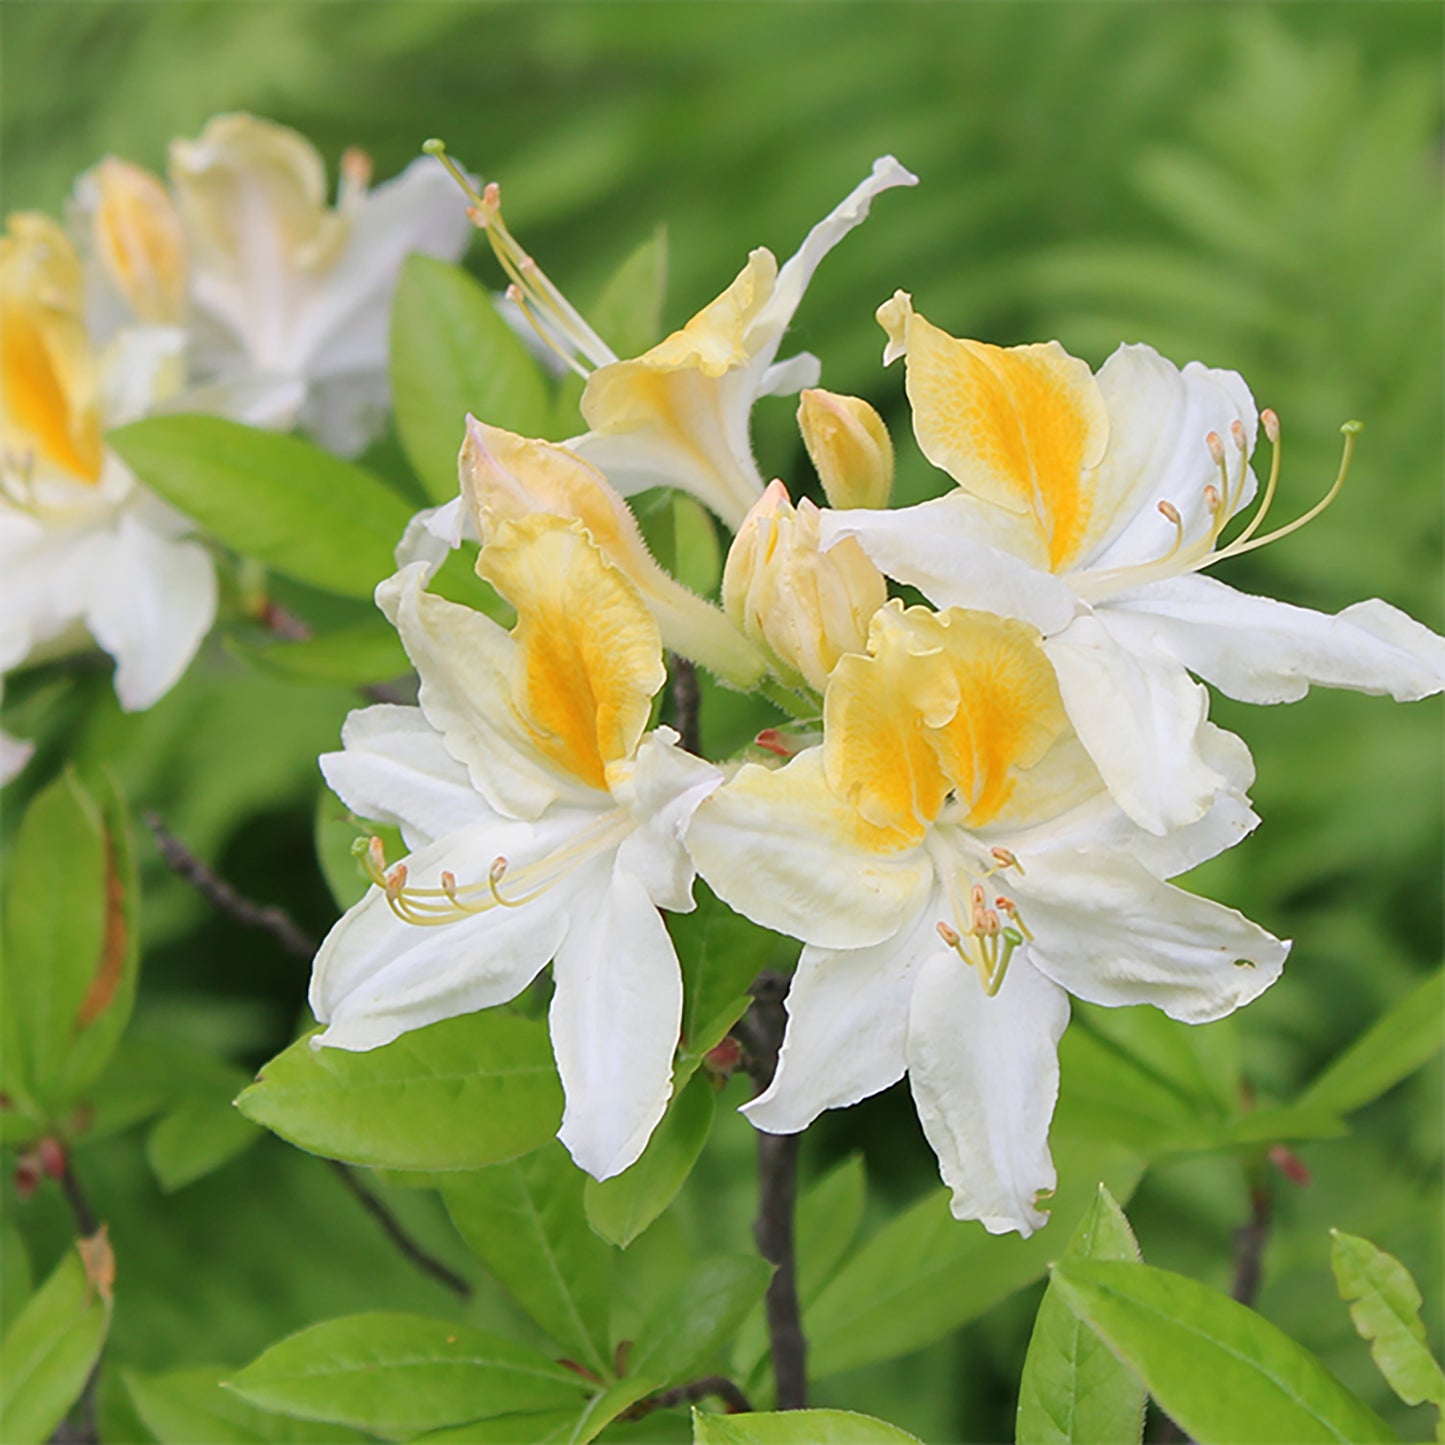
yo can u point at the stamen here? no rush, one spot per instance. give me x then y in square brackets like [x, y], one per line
[1271, 429]
[950, 936]
[495, 874]
[1216, 448]
[1006, 859]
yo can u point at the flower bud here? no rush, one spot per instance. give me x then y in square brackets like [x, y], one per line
[136, 236]
[850, 448]
[807, 607]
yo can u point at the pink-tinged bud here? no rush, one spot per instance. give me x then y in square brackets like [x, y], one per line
[850, 448]
[50, 1153]
[723, 1059]
[806, 607]
[1290, 1165]
[770, 740]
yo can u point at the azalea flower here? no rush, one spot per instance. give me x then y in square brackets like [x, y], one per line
[83, 547]
[544, 823]
[1088, 506]
[679, 414]
[292, 297]
[956, 869]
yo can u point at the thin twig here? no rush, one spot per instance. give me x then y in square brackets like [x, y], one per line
[224, 898]
[725, 1389]
[1250, 1240]
[85, 1221]
[761, 1032]
[84, 1429]
[391, 1227]
[686, 698]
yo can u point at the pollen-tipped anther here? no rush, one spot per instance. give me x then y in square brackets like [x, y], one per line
[1241, 440]
[1171, 512]
[1213, 500]
[396, 882]
[1216, 447]
[1269, 420]
[950, 936]
[1005, 858]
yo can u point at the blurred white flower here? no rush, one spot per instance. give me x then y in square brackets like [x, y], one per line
[1088, 506]
[83, 547]
[292, 297]
[955, 868]
[544, 823]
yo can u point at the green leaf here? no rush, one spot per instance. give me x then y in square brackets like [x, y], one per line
[398, 1375]
[458, 1094]
[1385, 1306]
[1391, 1049]
[366, 652]
[620, 1208]
[69, 966]
[721, 953]
[699, 560]
[277, 498]
[451, 353]
[924, 1273]
[197, 1137]
[796, 1427]
[1073, 1391]
[542, 1428]
[1223, 1373]
[16, 1281]
[628, 314]
[49, 1351]
[605, 1408]
[688, 1328]
[182, 1407]
[526, 1222]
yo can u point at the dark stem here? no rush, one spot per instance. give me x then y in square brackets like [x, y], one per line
[1250, 1240]
[224, 898]
[83, 1430]
[761, 1032]
[685, 700]
[391, 1227]
[725, 1389]
[85, 1221]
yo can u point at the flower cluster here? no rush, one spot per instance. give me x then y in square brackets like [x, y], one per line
[234, 290]
[989, 791]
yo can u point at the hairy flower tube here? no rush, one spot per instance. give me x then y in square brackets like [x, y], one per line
[953, 864]
[1090, 506]
[295, 295]
[544, 823]
[679, 415]
[83, 547]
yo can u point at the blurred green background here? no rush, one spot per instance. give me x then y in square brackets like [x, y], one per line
[1257, 186]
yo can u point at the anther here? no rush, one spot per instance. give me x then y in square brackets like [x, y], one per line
[1212, 500]
[449, 885]
[1236, 430]
[1216, 448]
[396, 882]
[950, 936]
[1171, 512]
[356, 168]
[1005, 858]
[1270, 421]
[376, 850]
[990, 922]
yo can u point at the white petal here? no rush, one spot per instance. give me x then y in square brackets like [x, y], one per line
[1141, 718]
[1259, 650]
[1159, 417]
[344, 324]
[985, 1076]
[257, 398]
[139, 365]
[14, 754]
[847, 1023]
[1110, 932]
[616, 1018]
[396, 770]
[778, 846]
[788, 378]
[960, 552]
[1099, 822]
[798, 270]
[344, 413]
[664, 789]
[433, 534]
[464, 660]
[377, 977]
[149, 600]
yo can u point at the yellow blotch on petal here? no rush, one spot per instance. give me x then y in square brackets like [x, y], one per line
[48, 372]
[589, 656]
[1022, 427]
[139, 240]
[1010, 712]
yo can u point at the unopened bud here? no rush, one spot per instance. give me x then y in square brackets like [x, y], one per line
[50, 1154]
[807, 607]
[850, 448]
[137, 237]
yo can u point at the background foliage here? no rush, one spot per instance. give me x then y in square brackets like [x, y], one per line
[1256, 185]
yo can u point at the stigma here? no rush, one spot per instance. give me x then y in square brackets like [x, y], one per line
[1224, 499]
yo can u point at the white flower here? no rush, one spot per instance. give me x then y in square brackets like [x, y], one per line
[543, 823]
[83, 547]
[679, 415]
[1087, 505]
[291, 295]
[956, 869]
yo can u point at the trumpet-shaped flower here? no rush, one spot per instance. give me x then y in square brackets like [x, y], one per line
[544, 823]
[294, 297]
[679, 414]
[955, 868]
[83, 547]
[1089, 505]
[805, 606]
